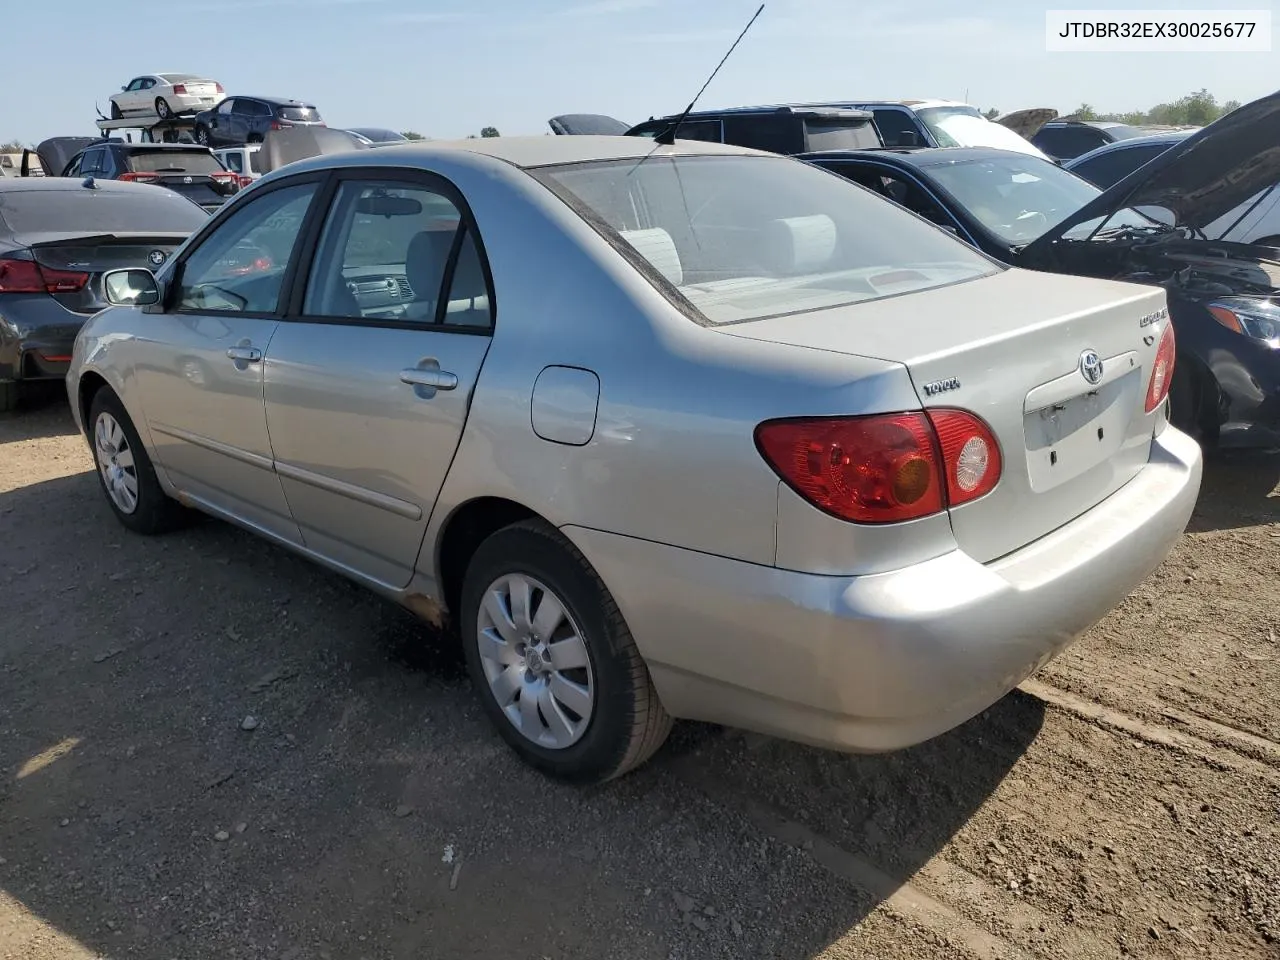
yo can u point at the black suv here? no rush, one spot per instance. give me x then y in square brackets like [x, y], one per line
[788, 129]
[184, 168]
[238, 120]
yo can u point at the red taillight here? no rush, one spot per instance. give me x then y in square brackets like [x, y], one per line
[1162, 369]
[218, 87]
[970, 453]
[180, 89]
[244, 180]
[885, 468]
[275, 125]
[139, 177]
[27, 276]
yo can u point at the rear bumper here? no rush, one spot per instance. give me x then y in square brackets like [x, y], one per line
[886, 661]
[36, 337]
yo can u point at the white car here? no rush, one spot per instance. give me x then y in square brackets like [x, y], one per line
[165, 95]
[245, 159]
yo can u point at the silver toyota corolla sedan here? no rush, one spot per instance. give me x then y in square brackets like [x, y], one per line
[687, 431]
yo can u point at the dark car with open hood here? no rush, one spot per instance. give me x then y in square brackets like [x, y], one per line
[57, 239]
[1183, 221]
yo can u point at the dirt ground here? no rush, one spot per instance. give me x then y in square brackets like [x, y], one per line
[1124, 802]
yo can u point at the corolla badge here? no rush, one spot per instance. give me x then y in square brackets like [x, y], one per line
[157, 257]
[1091, 366]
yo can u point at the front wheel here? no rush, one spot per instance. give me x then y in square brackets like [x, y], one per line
[125, 473]
[553, 661]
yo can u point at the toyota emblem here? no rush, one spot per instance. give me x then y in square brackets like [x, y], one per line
[1091, 366]
[156, 257]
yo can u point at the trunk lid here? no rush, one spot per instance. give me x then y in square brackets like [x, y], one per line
[1010, 348]
[1027, 122]
[97, 255]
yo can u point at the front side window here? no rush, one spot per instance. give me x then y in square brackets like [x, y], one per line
[897, 129]
[744, 237]
[397, 251]
[709, 131]
[240, 267]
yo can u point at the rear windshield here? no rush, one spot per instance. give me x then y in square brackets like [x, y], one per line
[145, 210]
[298, 113]
[173, 161]
[733, 238]
[841, 134]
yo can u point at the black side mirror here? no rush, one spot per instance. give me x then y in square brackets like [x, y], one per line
[135, 287]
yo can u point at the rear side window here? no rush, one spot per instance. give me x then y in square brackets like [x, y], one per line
[300, 114]
[172, 161]
[100, 211]
[897, 129]
[1113, 166]
[840, 135]
[776, 133]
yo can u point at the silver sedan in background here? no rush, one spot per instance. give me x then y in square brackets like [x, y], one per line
[662, 431]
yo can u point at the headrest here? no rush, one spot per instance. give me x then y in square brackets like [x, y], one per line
[802, 244]
[424, 262]
[656, 246]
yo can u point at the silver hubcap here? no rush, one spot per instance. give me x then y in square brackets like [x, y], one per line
[115, 462]
[536, 661]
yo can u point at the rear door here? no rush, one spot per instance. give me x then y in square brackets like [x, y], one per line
[369, 378]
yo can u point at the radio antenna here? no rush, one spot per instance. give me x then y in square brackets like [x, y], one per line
[667, 136]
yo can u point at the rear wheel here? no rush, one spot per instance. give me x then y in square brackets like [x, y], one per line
[125, 472]
[162, 109]
[254, 138]
[201, 135]
[553, 661]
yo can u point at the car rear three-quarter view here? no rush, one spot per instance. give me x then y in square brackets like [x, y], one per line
[682, 431]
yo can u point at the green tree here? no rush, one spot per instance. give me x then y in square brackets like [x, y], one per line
[12, 146]
[489, 132]
[991, 114]
[1085, 112]
[1228, 107]
[412, 135]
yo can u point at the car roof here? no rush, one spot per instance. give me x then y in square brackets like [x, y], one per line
[276, 101]
[758, 108]
[69, 185]
[537, 151]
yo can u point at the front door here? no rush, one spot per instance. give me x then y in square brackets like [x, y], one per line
[201, 376]
[368, 387]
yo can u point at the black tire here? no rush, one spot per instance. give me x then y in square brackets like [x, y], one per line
[628, 723]
[116, 112]
[9, 395]
[254, 138]
[155, 512]
[162, 109]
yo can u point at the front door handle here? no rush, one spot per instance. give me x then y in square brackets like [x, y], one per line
[245, 354]
[435, 379]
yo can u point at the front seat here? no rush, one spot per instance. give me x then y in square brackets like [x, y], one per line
[424, 264]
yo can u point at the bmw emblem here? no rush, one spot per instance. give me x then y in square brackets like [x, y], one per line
[157, 257]
[1091, 366]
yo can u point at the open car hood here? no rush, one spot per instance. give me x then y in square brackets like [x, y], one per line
[280, 147]
[1027, 122]
[587, 124]
[56, 152]
[1201, 179]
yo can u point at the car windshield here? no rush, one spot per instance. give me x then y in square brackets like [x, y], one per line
[1019, 198]
[964, 126]
[745, 237]
[99, 211]
[200, 162]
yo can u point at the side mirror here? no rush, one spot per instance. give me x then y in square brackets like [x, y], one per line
[125, 87]
[131, 288]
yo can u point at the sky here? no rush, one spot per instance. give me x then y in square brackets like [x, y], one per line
[446, 68]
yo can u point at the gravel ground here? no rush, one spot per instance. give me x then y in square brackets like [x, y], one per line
[209, 748]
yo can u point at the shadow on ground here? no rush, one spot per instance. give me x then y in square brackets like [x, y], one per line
[1240, 489]
[139, 817]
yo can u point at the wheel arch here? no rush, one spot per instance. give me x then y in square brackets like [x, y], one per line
[462, 532]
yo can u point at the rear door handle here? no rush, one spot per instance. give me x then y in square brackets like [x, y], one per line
[435, 379]
[245, 354]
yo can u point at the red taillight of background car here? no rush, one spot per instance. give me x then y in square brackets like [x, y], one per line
[1162, 369]
[139, 177]
[218, 88]
[227, 182]
[180, 89]
[27, 276]
[885, 468]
